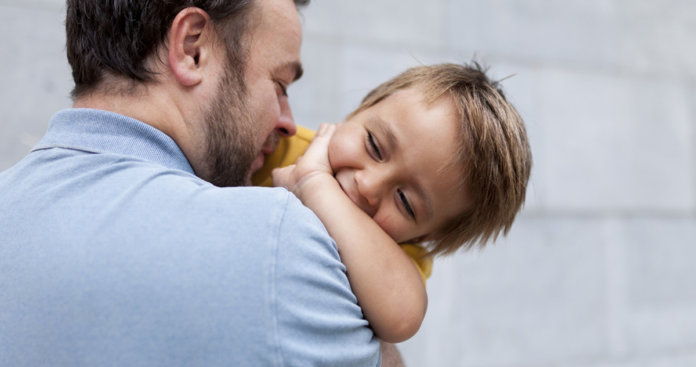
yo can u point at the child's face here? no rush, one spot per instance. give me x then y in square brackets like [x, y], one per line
[394, 161]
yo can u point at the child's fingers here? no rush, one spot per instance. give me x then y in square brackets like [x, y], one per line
[318, 150]
[322, 138]
[326, 130]
[315, 159]
[321, 129]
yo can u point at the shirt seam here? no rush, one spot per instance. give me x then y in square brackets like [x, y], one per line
[274, 295]
[66, 147]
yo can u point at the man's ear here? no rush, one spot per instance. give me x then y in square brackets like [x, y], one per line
[190, 42]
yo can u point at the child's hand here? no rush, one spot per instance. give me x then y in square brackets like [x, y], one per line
[311, 168]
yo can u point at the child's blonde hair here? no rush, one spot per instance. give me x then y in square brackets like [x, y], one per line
[494, 150]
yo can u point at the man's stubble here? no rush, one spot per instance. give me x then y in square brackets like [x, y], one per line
[231, 136]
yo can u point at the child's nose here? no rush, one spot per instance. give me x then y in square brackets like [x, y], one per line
[370, 188]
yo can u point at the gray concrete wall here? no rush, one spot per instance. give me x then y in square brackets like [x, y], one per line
[598, 270]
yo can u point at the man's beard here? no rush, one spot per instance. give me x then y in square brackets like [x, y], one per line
[231, 137]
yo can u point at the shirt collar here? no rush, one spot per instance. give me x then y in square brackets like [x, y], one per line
[98, 131]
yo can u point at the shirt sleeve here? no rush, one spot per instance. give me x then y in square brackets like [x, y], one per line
[419, 256]
[319, 321]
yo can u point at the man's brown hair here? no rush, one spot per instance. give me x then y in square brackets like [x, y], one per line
[494, 150]
[117, 37]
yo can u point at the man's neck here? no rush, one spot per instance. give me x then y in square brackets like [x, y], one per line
[159, 106]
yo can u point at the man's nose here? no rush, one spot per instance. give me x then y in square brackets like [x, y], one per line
[286, 123]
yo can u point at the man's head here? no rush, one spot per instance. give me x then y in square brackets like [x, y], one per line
[221, 66]
[490, 157]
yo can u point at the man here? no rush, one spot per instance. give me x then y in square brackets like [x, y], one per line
[120, 244]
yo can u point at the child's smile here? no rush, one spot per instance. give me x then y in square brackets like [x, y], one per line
[394, 160]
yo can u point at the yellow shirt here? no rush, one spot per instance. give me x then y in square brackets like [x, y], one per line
[287, 152]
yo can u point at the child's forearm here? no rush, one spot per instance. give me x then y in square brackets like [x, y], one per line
[384, 279]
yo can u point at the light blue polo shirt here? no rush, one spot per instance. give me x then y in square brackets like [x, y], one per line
[113, 253]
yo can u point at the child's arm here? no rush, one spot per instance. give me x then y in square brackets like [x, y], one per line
[384, 279]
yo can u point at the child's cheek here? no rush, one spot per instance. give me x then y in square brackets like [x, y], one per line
[390, 223]
[333, 161]
[342, 150]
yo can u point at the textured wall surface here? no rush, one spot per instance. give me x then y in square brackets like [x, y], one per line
[599, 269]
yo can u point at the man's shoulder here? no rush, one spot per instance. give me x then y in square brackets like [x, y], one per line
[247, 213]
[120, 192]
[244, 210]
[277, 205]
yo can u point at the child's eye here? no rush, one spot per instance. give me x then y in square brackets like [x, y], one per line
[406, 204]
[373, 147]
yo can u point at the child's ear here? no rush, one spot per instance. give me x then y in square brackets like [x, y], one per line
[189, 44]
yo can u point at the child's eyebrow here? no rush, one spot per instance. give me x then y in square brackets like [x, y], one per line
[385, 131]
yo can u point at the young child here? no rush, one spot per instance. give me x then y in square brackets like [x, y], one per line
[435, 156]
